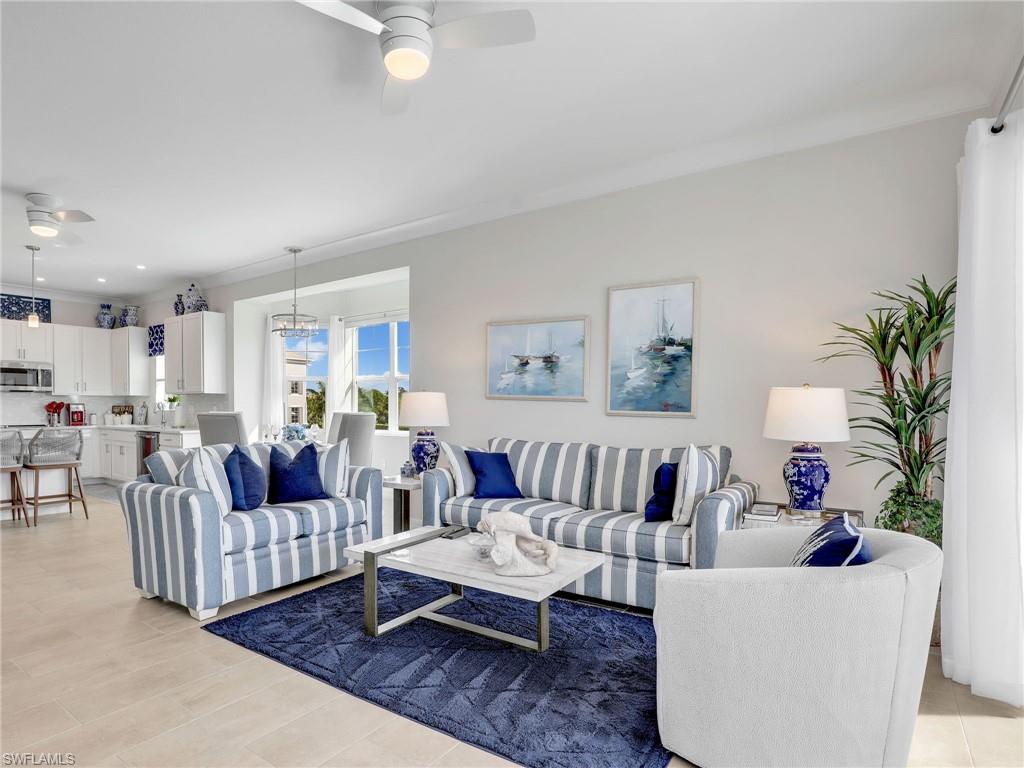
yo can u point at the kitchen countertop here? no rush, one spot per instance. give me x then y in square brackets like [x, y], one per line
[118, 427]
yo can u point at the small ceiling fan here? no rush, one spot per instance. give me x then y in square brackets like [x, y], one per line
[408, 37]
[47, 217]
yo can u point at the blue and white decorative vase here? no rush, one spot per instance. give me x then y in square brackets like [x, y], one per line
[806, 475]
[425, 451]
[179, 305]
[130, 316]
[293, 431]
[105, 319]
[194, 301]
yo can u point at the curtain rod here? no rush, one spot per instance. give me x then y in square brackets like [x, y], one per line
[997, 127]
[381, 313]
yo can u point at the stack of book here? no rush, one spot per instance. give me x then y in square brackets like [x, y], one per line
[762, 516]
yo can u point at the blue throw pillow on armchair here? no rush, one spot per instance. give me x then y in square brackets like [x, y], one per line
[659, 506]
[247, 480]
[295, 479]
[494, 476]
[835, 544]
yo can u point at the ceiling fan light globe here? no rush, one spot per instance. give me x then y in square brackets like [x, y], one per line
[406, 63]
[44, 230]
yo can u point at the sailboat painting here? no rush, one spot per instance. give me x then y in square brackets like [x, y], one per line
[538, 359]
[651, 363]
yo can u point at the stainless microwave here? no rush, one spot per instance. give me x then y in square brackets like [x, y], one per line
[25, 377]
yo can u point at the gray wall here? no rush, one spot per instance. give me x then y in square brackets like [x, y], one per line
[783, 247]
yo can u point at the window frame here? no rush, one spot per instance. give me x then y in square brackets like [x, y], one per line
[392, 376]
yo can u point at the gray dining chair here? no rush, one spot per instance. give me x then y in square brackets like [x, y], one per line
[359, 429]
[12, 450]
[222, 427]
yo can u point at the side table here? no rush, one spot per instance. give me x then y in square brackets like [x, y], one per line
[856, 517]
[401, 488]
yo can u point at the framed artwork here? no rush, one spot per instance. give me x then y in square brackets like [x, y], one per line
[538, 359]
[652, 347]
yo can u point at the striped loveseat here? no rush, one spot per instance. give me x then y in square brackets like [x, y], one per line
[592, 497]
[185, 551]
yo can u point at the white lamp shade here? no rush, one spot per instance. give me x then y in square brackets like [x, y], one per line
[807, 414]
[423, 409]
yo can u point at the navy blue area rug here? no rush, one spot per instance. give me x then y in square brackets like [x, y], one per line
[589, 700]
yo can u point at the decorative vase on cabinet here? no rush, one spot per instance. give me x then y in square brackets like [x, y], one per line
[179, 306]
[130, 316]
[194, 301]
[105, 319]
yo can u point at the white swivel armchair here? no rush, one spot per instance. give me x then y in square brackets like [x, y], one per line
[762, 664]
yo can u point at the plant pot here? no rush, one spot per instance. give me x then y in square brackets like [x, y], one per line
[179, 417]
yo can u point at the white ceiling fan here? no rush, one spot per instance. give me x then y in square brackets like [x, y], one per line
[47, 217]
[408, 37]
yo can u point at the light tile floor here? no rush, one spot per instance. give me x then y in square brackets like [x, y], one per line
[91, 669]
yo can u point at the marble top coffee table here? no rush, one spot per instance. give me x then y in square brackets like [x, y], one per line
[430, 551]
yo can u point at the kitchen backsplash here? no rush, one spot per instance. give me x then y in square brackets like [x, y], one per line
[29, 408]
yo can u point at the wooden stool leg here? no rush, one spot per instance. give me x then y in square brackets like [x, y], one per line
[21, 498]
[14, 499]
[81, 493]
[71, 497]
[35, 500]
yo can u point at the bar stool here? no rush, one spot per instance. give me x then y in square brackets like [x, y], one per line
[56, 448]
[12, 448]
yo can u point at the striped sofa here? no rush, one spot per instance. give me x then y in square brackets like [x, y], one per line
[185, 551]
[592, 497]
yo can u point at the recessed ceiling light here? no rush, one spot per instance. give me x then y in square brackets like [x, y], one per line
[140, 266]
[40, 279]
[101, 279]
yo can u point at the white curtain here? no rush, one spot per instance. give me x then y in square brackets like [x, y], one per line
[983, 538]
[339, 368]
[272, 409]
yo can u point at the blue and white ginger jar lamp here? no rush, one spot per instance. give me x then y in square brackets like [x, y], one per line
[424, 410]
[807, 416]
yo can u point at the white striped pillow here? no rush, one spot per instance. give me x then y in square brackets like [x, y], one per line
[699, 474]
[204, 473]
[465, 480]
[333, 465]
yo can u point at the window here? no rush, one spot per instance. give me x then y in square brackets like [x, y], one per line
[305, 373]
[382, 370]
[159, 380]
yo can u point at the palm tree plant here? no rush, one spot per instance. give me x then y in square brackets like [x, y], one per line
[904, 340]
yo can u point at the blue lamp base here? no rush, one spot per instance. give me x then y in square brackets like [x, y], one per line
[425, 451]
[806, 475]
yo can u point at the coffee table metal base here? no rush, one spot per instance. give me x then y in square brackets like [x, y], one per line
[374, 629]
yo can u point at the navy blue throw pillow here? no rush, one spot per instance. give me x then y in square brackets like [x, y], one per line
[836, 543]
[659, 506]
[494, 477]
[246, 478]
[295, 479]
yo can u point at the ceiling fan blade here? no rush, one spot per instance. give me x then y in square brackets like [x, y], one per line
[74, 216]
[346, 13]
[67, 240]
[487, 30]
[395, 96]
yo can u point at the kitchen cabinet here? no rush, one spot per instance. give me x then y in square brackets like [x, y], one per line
[90, 454]
[118, 455]
[130, 368]
[82, 361]
[20, 342]
[195, 353]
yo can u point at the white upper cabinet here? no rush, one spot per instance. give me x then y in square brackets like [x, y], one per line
[19, 342]
[195, 350]
[130, 371]
[81, 361]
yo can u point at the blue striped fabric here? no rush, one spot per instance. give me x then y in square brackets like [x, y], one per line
[622, 580]
[458, 467]
[205, 473]
[438, 485]
[332, 463]
[698, 476]
[255, 528]
[324, 515]
[367, 484]
[174, 534]
[625, 534]
[465, 510]
[556, 471]
[623, 477]
[258, 570]
[720, 511]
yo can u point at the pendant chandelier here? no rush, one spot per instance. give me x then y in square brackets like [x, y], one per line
[33, 318]
[293, 325]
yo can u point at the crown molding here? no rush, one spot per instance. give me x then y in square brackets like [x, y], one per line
[46, 293]
[922, 107]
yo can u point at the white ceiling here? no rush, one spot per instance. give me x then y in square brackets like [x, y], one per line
[207, 136]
